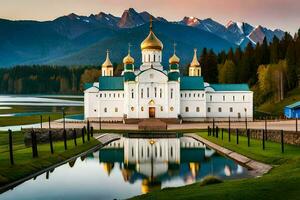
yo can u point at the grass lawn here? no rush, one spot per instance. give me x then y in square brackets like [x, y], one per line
[282, 182]
[26, 165]
[276, 109]
[54, 113]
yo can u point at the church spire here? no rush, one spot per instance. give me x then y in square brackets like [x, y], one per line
[107, 66]
[195, 69]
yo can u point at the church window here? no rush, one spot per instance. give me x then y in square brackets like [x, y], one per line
[161, 108]
[181, 95]
[148, 92]
[114, 95]
[142, 152]
[186, 109]
[132, 152]
[194, 94]
[142, 93]
[189, 94]
[223, 98]
[198, 95]
[243, 97]
[149, 58]
[142, 109]
[220, 109]
[171, 151]
[155, 92]
[148, 152]
[233, 98]
[132, 108]
[132, 94]
[116, 110]
[202, 95]
[105, 95]
[118, 95]
[160, 93]
[185, 95]
[210, 97]
[231, 109]
[100, 95]
[123, 95]
[155, 151]
[197, 109]
[109, 95]
[154, 57]
[105, 109]
[160, 151]
[208, 109]
[172, 93]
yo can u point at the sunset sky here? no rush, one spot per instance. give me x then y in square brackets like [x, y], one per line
[284, 14]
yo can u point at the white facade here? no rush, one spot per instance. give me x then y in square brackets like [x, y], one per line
[151, 92]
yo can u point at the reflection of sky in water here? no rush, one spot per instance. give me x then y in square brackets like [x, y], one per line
[102, 176]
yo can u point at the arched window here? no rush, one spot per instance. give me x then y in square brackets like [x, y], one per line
[148, 92]
[197, 109]
[172, 93]
[149, 58]
[160, 93]
[155, 151]
[186, 109]
[160, 151]
[154, 57]
[142, 93]
[155, 92]
[105, 109]
[132, 94]
[132, 152]
[171, 151]
[161, 109]
[148, 152]
[116, 110]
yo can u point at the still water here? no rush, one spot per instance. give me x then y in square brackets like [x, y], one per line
[129, 167]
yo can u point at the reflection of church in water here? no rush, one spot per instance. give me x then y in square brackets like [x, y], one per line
[155, 161]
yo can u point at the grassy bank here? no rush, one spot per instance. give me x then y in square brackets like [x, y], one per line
[26, 165]
[282, 182]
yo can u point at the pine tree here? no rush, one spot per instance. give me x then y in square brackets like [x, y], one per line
[274, 50]
[227, 72]
[211, 73]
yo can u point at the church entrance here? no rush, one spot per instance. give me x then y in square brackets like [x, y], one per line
[151, 112]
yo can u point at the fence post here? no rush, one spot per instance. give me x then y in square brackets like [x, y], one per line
[49, 122]
[222, 133]
[34, 144]
[248, 136]
[11, 155]
[82, 134]
[266, 129]
[92, 131]
[237, 136]
[41, 121]
[88, 130]
[208, 130]
[217, 131]
[65, 139]
[213, 127]
[51, 142]
[75, 137]
[263, 139]
[282, 141]
[229, 136]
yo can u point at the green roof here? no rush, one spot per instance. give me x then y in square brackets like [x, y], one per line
[87, 85]
[129, 76]
[294, 105]
[191, 83]
[173, 76]
[111, 83]
[230, 87]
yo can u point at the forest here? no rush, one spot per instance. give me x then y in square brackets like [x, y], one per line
[271, 70]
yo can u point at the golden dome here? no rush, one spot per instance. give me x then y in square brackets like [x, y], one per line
[195, 62]
[151, 41]
[128, 59]
[174, 59]
[107, 62]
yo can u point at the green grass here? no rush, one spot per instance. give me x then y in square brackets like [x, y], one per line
[26, 165]
[54, 113]
[276, 109]
[282, 182]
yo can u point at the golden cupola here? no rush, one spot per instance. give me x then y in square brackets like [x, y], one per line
[107, 66]
[174, 59]
[128, 59]
[107, 62]
[195, 62]
[151, 41]
[195, 69]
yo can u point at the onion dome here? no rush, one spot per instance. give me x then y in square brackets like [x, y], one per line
[151, 41]
[128, 59]
[195, 62]
[107, 62]
[174, 59]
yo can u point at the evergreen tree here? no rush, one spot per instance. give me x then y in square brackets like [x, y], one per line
[274, 50]
[227, 72]
[211, 73]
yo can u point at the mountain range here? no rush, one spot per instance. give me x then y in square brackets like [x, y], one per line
[83, 40]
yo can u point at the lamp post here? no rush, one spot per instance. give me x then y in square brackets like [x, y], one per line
[246, 121]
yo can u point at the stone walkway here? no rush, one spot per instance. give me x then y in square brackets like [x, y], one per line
[107, 138]
[256, 168]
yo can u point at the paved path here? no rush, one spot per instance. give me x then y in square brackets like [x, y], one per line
[257, 168]
[287, 125]
[107, 138]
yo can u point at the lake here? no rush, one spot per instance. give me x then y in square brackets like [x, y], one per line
[129, 167]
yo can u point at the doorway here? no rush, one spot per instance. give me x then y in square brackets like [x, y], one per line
[151, 112]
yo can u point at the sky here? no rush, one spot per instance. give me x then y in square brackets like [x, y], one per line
[283, 14]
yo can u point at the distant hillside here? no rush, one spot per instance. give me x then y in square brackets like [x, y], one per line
[75, 39]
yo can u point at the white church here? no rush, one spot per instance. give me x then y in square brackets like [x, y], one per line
[149, 91]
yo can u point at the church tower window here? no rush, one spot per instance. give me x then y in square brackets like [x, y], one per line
[172, 93]
[160, 93]
[132, 94]
[142, 93]
[155, 92]
[148, 92]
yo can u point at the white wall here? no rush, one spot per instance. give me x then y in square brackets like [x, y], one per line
[193, 100]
